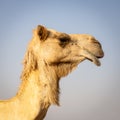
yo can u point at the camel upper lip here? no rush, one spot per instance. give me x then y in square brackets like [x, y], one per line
[100, 54]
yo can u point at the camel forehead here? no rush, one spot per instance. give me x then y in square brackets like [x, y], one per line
[57, 35]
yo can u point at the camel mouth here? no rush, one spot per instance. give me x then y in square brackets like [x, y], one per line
[92, 57]
[95, 60]
[97, 57]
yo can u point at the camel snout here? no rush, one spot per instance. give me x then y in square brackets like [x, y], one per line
[100, 53]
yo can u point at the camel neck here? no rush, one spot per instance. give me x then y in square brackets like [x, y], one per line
[39, 90]
[33, 95]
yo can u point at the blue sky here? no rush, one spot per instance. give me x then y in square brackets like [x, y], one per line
[89, 92]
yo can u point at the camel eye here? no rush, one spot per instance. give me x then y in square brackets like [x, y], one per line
[64, 40]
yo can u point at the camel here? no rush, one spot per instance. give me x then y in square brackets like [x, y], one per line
[50, 56]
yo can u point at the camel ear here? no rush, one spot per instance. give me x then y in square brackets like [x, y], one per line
[42, 32]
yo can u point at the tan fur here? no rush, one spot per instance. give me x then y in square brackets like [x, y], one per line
[50, 56]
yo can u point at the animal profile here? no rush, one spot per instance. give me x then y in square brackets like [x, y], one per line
[50, 55]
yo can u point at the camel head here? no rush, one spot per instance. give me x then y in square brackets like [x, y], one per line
[62, 50]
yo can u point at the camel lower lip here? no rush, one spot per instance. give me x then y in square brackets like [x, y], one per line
[96, 61]
[90, 56]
